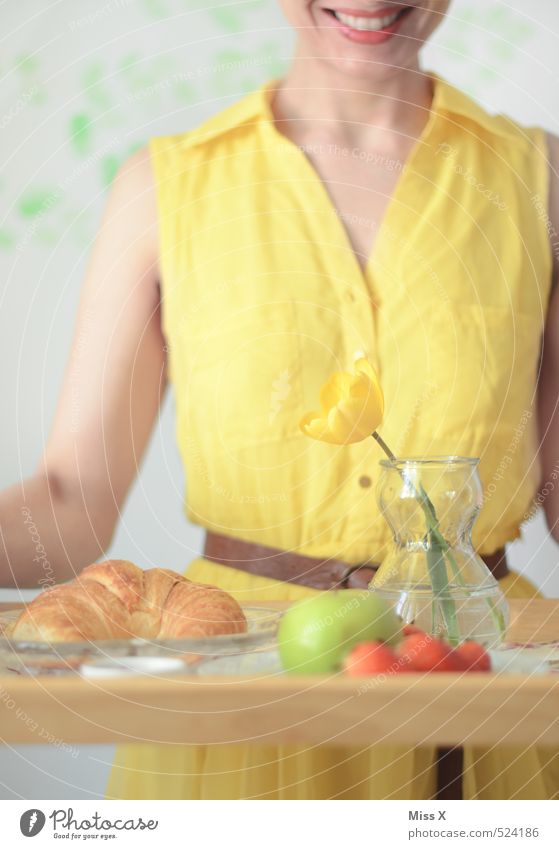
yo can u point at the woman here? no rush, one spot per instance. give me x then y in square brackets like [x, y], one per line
[359, 204]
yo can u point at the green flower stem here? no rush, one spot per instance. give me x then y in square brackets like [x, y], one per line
[439, 582]
[437, 548]
[496, 614]
[384, 446]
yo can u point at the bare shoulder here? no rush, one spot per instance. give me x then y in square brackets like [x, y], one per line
[131, 211]
[137, 169]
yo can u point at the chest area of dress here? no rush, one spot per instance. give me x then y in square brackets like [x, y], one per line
[356, 183]
[274, 300]
[278, 224]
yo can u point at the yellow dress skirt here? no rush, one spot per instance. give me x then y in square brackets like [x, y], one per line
[253, 771]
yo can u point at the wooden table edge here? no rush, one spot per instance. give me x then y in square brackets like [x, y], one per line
[444, 709]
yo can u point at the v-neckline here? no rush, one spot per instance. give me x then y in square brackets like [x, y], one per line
[363, 272]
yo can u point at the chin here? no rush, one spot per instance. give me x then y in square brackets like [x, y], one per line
[372, 69]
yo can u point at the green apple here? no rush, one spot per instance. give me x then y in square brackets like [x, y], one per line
[315, 634]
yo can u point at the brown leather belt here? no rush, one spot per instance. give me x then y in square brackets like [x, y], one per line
[320, 574]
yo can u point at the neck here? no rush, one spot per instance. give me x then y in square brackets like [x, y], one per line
[311, 90]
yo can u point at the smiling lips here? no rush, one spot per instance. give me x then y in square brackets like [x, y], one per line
[368, 27]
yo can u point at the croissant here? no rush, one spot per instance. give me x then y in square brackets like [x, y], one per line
[118, 600]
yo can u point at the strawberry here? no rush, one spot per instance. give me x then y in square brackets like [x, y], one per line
[370, 658]
[423, 653]
[473, 657]
[460, 664]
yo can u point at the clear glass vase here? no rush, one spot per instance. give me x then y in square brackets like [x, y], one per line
[432, 575]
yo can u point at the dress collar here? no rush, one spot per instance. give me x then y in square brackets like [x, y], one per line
[451, 101]
[448, 103]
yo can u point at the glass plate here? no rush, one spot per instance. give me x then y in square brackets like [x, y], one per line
[261, 662]
[43, 658]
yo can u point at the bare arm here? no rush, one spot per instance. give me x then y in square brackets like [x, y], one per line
[61, 519]
[548, 387]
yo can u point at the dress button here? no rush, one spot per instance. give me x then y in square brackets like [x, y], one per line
[365, 481]
[349, 295]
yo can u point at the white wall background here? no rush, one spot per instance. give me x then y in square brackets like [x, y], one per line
[82, 84]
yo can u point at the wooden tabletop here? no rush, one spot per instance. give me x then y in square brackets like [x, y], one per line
[441, 709]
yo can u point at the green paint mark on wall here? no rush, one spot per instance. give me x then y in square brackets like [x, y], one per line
[109, 166]
[156, 8]
[184, 91]
[28, 68]
[28, 64]
[47, 235]
[81, 133]
[239, 71]
[37, 201]
[139, 77]
[228, 19]
[231, 18]
[95, 87]
[6, 240]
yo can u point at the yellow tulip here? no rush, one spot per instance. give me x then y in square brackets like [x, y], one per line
[352, 407]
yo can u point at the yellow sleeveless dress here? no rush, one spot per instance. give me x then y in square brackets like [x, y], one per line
[262, 298]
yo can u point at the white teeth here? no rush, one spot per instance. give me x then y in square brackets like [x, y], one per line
[366, 24]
